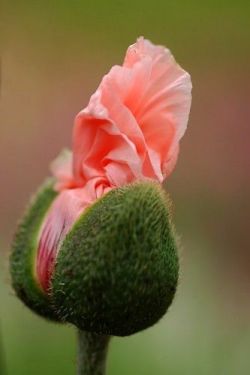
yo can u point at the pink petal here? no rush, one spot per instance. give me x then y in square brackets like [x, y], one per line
[64, 211]
[147, 102]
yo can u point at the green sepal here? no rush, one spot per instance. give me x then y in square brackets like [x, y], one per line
[117, 269]
[23, 254]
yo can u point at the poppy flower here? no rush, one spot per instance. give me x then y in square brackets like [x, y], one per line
[102, 243]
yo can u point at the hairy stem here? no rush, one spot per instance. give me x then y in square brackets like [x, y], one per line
[92, 353]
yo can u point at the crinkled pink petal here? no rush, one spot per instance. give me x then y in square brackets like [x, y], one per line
[148, 101]
[107, 145]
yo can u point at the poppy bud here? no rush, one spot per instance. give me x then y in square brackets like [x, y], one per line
[116, 270]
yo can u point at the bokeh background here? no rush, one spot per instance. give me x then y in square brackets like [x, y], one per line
[54, 54]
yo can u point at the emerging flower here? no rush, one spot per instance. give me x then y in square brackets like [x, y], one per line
[130, 131]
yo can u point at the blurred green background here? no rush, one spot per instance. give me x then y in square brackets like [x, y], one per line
[54, 53]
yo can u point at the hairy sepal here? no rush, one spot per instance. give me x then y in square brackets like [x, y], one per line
[24, 252]
[117, 269]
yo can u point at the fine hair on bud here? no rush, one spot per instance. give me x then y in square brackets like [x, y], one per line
[117, 269]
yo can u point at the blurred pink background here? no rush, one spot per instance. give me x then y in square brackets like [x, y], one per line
[54, 56]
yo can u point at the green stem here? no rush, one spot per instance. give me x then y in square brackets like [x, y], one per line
[92, 353]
